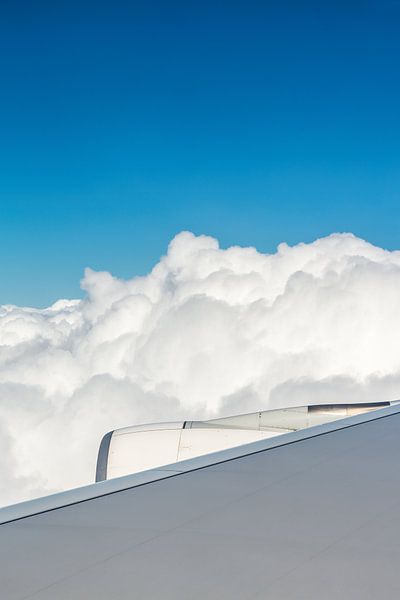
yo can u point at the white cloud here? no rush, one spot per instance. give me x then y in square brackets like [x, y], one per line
[208, 331]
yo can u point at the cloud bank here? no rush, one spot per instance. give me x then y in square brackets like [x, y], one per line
[207, 332]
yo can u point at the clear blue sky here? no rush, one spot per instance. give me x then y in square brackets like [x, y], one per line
[122, 123]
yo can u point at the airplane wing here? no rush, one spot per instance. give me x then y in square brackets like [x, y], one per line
[313, 515]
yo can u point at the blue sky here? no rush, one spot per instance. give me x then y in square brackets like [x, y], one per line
[123, 123]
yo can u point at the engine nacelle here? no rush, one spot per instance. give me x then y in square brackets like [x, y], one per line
[142, 447]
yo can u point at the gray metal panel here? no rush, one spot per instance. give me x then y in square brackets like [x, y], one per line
[315, 518]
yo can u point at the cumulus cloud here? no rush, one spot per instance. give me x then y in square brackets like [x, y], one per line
[207, 332]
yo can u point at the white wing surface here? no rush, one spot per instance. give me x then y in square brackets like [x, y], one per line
[312, 515]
